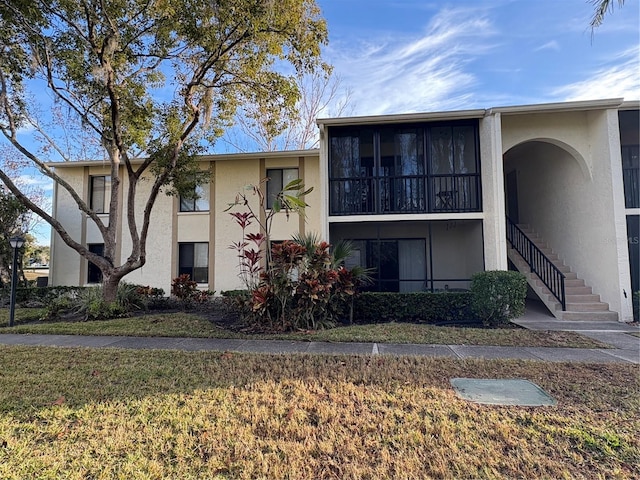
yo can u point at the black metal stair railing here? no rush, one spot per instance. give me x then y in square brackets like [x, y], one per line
[539, 263]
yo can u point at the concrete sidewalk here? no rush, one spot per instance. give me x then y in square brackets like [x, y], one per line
[626, 347]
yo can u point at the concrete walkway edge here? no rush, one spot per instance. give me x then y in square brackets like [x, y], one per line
[617, 355]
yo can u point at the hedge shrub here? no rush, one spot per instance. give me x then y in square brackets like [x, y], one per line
[498, 296]
[43, 295]
[417, 307]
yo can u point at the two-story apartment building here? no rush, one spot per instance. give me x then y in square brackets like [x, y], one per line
[424, 198]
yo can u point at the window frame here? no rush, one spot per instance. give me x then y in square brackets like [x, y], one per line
[94, 274]
[184, 268]
[271, 172]
[94, 193]
[191, 205]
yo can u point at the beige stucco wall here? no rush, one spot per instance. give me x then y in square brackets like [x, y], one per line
[168, 227]
[65, 262]
[457, 251]
[565, 166]
[157, 271]
[231, 178]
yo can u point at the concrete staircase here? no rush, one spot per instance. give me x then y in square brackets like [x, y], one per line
[581, 302]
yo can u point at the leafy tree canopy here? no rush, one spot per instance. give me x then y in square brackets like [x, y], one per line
[154, 79]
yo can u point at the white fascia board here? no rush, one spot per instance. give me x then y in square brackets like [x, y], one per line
[402, 118]
[203, 158]
[630, 105]
[410, 217]
[558, 107]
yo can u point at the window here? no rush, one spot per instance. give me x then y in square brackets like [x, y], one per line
[278, 179]
[398, 265]
[98, 186]
[199, 202]
[411, 168]
[94, 275]
[629, 124]
[193, 260]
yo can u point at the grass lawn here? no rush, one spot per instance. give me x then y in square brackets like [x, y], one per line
[82, 413]
[191, 325]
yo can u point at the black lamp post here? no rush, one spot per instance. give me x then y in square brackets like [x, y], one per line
[16, 243]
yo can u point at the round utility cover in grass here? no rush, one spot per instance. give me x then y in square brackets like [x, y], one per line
[501, 392]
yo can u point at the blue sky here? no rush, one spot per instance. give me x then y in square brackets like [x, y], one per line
[419, 55]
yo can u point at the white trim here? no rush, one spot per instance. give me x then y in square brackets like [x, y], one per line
[558, 107]
[413, 217]
[402, 118]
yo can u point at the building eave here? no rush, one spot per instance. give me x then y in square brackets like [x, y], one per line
[558, 107]
[401, 118]
[225, 157]
[630, 105]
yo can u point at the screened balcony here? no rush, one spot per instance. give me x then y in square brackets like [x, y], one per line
[631, 175]
[404, 169]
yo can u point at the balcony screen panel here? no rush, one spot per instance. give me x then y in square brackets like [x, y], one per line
[631, 175]
[441, 151]
[352, 172]
[464, 150]
[398, 169]
[352, 154]
[412, 265]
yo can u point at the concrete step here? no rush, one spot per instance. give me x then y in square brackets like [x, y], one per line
[574, 282]
[584, 290]
[587, 307]
[582, 298]
[589, 316]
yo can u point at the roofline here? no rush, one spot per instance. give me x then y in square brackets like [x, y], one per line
[479, 113]
[203, 158]
[402, 118]
[630, 105]
[558, 107]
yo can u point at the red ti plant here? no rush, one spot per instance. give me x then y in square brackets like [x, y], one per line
[252, 250]
[249, 257]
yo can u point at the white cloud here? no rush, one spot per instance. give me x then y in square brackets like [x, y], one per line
[418, 73]
[552, 45]
[619, 77]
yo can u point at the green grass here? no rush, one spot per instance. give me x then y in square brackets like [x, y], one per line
[82, 413]
[22, 315]
[191, 325]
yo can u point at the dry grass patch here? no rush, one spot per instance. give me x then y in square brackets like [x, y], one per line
[192, 325]
[80, 413]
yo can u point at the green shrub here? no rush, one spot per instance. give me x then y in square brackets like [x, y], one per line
[87, 302]
[417, 307]
[636, 306]
[34, 296]
[91, 306]
[498, 296]
[130, 297]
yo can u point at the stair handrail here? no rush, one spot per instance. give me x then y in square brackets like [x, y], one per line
[538, 262]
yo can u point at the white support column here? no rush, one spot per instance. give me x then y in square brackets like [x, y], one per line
[324, 184]
[622, 299]
[493, 198]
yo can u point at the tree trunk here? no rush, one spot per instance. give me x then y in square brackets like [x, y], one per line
[110, 287]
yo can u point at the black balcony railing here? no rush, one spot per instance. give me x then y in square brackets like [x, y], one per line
[405, 194]
[631, 179]
[455, 193]
[552, 278]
